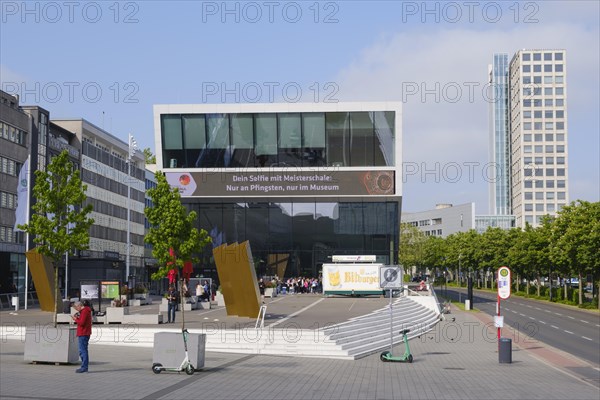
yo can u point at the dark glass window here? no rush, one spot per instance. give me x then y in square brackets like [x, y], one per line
[337, 126]
[290, 140]
[242, 140]
[313, 139]
[266, 140]
[173, 156]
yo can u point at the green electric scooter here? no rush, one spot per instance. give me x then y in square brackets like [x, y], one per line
[406, 357]
[186, 365]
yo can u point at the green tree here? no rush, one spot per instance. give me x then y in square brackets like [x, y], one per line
[575, 240]
[412, 244]
[434, 254]
[492, 252]
[59, 223]
[148, 156]
[172, 233]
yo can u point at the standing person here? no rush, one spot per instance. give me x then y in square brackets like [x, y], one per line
[83, 319]
[261, 289]
[172, 298]
[206, 288]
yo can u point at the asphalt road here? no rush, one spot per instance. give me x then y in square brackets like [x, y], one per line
[574, 331]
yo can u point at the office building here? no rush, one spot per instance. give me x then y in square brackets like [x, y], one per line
[499, 140]
[537, 115]
[300, 182]
[444, 220]
[105, 172]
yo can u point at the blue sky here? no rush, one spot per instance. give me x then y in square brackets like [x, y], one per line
[109, 62]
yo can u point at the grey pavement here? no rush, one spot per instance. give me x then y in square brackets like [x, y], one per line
[458, 360]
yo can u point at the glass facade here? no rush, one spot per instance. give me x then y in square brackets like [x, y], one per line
[331, 173]
[306, 232]
[341, 139]
[500, 136]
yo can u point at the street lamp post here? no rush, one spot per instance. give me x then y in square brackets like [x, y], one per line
[132, 150]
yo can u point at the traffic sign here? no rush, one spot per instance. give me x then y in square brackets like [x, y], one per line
[503, 283]
[391, 277]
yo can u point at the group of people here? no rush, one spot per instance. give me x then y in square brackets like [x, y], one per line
[202, 290]
[293, 285]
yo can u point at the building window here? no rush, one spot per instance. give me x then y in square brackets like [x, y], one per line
[549, 137]
[559, 79]
[558, 68]
[560, 172]
[550, 160]
[528, 207]
[526, 68]
[550, 184]
[560, 126]
[526, 56]
[560, 114]
[537, 56]
[561, 195]
[561, 184]
[539, 207]
[550, 207]
[537, 68]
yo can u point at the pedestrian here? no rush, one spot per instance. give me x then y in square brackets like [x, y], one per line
[172, 298]
[206, 289]
[83, 319]
[261, 289]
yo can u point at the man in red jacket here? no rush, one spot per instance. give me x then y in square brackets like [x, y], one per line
[83, 319]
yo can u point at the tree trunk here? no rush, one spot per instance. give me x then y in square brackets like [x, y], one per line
[566, 291]
[55, 316]
[580, 289]
[539, 284]
[527, 288]
[518, 281]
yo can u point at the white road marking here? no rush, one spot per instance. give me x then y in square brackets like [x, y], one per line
[554, 326]
[537, 308]
[522, 315]
[585, 322]
[297, 312]
[558, 314]
[513, 311]
[542, 322]
[570, 317]
[586, 338]
[569, 332]
[532, 318]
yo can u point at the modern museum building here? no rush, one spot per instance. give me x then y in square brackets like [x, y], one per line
[301, 182]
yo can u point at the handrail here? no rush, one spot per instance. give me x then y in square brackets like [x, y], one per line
[261, 317]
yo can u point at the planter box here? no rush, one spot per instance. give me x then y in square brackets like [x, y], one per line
[44, 343]
[116, 314]
[270, 292]
[203, 305]
[135, 303]
[169, 350]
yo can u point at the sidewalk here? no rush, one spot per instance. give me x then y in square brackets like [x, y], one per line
[458, 360]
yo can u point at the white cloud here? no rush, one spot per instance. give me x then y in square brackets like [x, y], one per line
[441, 130]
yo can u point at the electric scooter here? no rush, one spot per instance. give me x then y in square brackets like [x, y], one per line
[406, 357]
[186, 365]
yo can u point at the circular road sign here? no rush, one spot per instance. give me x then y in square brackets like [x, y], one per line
[390, 277]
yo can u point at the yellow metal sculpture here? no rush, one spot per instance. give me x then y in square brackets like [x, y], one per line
[237, 277]
[42, 273]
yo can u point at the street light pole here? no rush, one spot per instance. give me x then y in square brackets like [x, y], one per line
[132, 149]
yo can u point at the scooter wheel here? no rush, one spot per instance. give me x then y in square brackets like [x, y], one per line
[384, 356]
[156, 368]
[410, 358]
[189, 369]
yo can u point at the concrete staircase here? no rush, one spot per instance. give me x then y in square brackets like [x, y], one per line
[352, 339]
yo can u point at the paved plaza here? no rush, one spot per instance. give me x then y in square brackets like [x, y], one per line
[457, 360]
